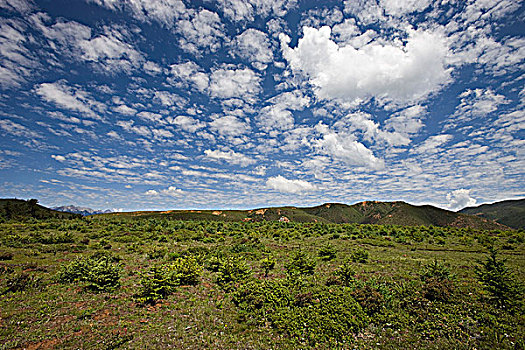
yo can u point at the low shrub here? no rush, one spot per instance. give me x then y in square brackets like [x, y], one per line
[98, 273]
[19, 282]
[267, 264]
[359, 255]
[301, 263]
[345, 274]
[437, 282]
[230, 271]
[327, 252]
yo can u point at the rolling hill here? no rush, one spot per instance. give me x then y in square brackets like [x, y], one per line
[510, 213]
[370, 212]
[11, 208]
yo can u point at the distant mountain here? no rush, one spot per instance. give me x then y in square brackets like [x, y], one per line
[370, 212]
[81, 210]
[20, 209]
[510, 212]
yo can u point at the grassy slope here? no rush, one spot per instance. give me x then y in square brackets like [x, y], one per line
[18, 208]
[387, 213]
[510, 213]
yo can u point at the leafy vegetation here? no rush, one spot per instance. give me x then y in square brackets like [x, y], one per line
[150, 282]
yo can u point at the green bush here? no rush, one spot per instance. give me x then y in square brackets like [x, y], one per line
[309, 314]
[267, 264]
[359, 255]
[301, 263]
[230, 271]
[185, 271]
[345, 274]
[499, 281]
[327, 252]
[98, 273]
[161, 281]
[155, 284]
[6, 255]
[437, 282]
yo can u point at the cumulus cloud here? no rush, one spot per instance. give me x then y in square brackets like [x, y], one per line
[108, 52]
[460, 199]
[204, 32]
[282, 184]
[188, 74]
[347, 150]
[242, 83]
[231, 157]
[386, 71]
[245, 10]
[253, 46]
[188, 123]
[278, 115]
[479, 102]
[229, 125]
[432, 144]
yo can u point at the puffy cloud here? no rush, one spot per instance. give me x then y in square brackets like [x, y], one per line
[407, 121]
[282, 184]
[187, 123]
[109, 52]
[70, 98]
[245, 10]
[253, 46]
[188, 74]
[403, 7]
[278, 115]
[388, 72]
[229, 125]
[230, 83]
[360, 121]
[203, 32]
[460, 199]
[479, 102]
[125, 110]
[58, 158]
[347, 150]
[231, 157]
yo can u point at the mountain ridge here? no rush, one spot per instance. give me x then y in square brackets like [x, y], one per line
[509, 212]
[367, 212]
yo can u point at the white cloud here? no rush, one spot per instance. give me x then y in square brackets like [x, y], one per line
[16, 129]
[432, 144]
[282, 184]
[245, 10]
[58, 158]
[188, 74]
[165, 12]
[21, 6]
[229, 125]
[202, 33]
[407, 122]
[16, 60]
[360, 121]
[230, 83]
[189, 124]
[403, 7]
[125, 110]
[479, 102]
[460, 199]
[71, 98]
[108, 52]
[231, 157]
[253, 46]
[388, 72]
[347, 150]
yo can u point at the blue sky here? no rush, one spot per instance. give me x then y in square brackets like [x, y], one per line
[170, 104]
